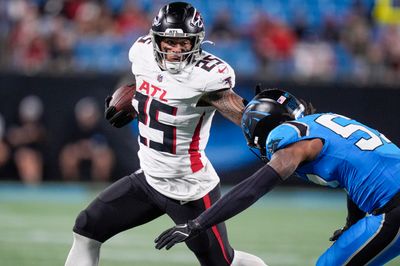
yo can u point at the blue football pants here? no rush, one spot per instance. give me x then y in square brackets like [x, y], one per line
[374, 240]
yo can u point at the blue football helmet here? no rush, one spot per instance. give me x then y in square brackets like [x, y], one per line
[267, 110]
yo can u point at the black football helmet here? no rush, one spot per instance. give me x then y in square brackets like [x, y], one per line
[267, 110]
[177, 20]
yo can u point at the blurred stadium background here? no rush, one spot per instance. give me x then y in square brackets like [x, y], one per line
[60, 58]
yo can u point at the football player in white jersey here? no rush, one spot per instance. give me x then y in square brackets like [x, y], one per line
[178, 88]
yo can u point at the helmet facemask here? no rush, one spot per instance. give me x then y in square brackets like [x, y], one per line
[177, 20]
[187, 58]
[256, 132]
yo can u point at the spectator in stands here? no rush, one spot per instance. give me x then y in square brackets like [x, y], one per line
[83, 35]
[273, 41]
[28, 47]
[131, 20]
[7, 167]
[391, 52]
[86, 154]
[28, 140]
[61, 42]
[356, 34]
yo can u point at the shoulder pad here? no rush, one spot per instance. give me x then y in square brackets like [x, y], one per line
[284, 135]
[218, 74]
[141, 44]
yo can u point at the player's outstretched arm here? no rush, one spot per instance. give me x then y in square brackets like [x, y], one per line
[282, 165]
[228, 103]
[236, 200]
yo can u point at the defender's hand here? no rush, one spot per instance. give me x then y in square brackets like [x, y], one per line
[117, 119]
[177, 234]
[338, 233]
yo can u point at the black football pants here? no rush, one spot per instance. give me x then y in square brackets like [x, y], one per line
[131, 202]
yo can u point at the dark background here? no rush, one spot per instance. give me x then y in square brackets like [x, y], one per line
[374, 105]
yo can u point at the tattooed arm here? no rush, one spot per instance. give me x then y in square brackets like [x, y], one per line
[227, 102]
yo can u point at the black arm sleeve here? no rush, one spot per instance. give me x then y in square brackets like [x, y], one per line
[240, 197]
[353, 212]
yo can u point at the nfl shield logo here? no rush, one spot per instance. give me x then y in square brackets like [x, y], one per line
[281, 99]
[160, 78]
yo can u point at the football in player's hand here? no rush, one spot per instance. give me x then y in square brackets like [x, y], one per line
[122, 99]
[118, 107]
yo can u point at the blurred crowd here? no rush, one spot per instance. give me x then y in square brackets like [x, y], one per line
[310, 40]
[351, 40]
[85, 154]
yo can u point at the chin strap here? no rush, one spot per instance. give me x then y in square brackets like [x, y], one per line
[208, 42]
[262, 157]
[255, 153]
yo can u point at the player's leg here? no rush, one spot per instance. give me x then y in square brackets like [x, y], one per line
[374, 240]
[84, 251]
[123, 205]
[246, 259]
[212, 247]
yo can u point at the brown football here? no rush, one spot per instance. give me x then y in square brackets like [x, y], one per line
[122, 98]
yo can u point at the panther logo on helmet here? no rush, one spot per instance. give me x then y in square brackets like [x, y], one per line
[267, 110]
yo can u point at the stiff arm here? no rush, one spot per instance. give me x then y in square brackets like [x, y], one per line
[283, 163]
[227, 102]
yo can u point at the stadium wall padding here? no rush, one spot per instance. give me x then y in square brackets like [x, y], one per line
[374, 105]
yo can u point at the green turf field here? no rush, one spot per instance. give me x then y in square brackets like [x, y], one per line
[286, 227]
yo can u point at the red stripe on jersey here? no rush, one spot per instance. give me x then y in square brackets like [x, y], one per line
[195, 162]
[207, 204]
[145, 110]
[146, 118]
[175, 110]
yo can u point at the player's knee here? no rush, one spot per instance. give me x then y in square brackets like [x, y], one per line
[327, 258]
[81, 222]
[88, 223]
[199, 245]
[84, 225]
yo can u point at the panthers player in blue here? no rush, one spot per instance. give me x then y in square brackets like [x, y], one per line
[328, 149]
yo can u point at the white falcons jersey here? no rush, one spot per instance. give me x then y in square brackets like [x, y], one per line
[173, 129]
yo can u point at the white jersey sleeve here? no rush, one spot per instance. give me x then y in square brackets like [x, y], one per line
[141, 56]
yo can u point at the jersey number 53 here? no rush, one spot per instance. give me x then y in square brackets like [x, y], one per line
[365, 144]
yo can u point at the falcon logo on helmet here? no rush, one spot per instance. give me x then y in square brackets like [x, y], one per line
[197, 20]
[156, 21]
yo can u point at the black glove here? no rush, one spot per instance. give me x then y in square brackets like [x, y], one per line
[354, 214]
[177, 234]
[117, 119]
[338, 233]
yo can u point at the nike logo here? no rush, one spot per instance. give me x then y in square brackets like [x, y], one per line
[181, 233]
[181, 226]
[222, 70]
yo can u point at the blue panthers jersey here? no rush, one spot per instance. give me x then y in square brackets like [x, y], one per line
[354, 157]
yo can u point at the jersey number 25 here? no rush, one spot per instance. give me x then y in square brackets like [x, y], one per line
[150, 118]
